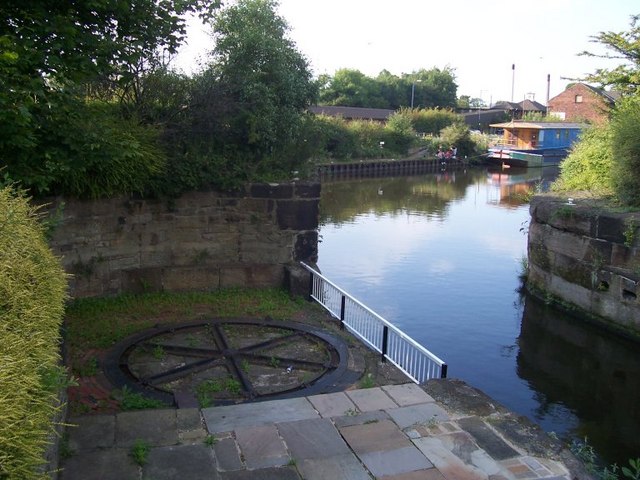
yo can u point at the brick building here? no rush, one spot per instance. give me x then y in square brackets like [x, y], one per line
[581, 102]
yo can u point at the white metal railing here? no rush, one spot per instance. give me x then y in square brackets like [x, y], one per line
[376, 332]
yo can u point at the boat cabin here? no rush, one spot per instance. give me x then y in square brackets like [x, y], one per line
[548, 140]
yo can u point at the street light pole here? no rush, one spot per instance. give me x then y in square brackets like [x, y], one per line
[413, 92]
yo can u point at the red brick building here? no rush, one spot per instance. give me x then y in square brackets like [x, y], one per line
[581, 102]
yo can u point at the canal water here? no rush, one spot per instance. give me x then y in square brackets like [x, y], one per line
[440, 256]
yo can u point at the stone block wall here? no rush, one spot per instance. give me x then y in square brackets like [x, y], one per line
[588, 258]
[200, 241]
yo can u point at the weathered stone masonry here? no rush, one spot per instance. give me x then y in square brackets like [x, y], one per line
[200, 241]
[588, 258]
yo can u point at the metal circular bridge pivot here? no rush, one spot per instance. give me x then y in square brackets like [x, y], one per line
[223, 361]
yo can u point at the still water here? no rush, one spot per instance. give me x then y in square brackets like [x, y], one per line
[439, 256]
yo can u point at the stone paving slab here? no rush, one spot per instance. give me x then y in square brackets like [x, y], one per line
[370, 399]
[332, 404]
[282, 473]
[193, 462]
[261, 446]
[343, 467]
[374, 437]
[360, 418]
[156, 427]
[92, 431]
[430, 474]
[422, 414]
[314, 438]
[393, 462]
[226, 418]
[227, 454]
[449, 464]
[407, 394]
[107, 464]
[486, 438]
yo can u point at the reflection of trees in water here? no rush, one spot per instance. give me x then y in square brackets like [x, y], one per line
[592, 372]
[425, 194]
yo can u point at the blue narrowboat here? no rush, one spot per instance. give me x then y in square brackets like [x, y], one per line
[533, 144]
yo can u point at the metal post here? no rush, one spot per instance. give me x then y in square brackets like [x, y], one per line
[443, 371]
[385, 341]
[310, 286]
[342, 304]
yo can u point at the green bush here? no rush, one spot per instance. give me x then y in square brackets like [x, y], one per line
[588, 166]
[431, 121]
[625, 148]
[32, 293]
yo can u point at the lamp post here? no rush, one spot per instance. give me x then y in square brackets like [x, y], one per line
[413, 91]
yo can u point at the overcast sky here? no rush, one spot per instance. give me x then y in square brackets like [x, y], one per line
[479, 40]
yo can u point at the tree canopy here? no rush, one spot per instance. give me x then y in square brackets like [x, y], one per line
[622, 46]
[427, 88]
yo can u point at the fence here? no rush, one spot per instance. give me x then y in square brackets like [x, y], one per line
[394, 345]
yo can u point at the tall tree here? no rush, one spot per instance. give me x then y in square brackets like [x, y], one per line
[626, 47]
[248, 106]
[353, 88]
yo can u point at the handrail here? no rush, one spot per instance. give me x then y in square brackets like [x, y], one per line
[393, 344]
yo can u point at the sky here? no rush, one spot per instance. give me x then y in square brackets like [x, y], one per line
[480, 41]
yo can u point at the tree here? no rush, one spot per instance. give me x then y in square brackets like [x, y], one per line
[352, 88]
[626, 46]
[50, 50]
[247, 108]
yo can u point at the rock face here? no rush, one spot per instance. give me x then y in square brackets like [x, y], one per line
[200, 241]
[587, 257]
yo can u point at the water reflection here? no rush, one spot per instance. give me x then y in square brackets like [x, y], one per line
[439, 256]
[594, 374]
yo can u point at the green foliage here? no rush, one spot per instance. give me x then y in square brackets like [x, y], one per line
[625, 78]
[585, 452]
[458, 135]
[626, 151]
[431, 121]
[136, 401]
[32, 294]
[429, 89]
[588, 166]
[139, 452]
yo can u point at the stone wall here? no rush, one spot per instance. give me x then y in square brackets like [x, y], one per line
[588, 258]
[200, 241]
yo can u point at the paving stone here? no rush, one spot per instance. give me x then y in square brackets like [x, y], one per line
[422, 414]
[360, 418]
[315, 438]
[332, 404]
[451, 466]
[430, 474]
[282, 473]
[343, 467]
[195, 462]
[109, 464]
[227, 454]
[188, 419]
[407, 394]
[392, 462]
[156, 427]
[369, 399]
[374, 437]
[487, 439]
[261, 446]
[227, 418]
[92, 431]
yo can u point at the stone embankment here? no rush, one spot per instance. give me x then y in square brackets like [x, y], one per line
[199, 241]
[588, 258]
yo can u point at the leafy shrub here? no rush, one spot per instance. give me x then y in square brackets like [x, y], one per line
[32, 293]
[431, 121]
[588, 166]
[626, 151]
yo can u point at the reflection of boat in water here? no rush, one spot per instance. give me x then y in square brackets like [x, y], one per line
[513, 186]
[533, 144]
